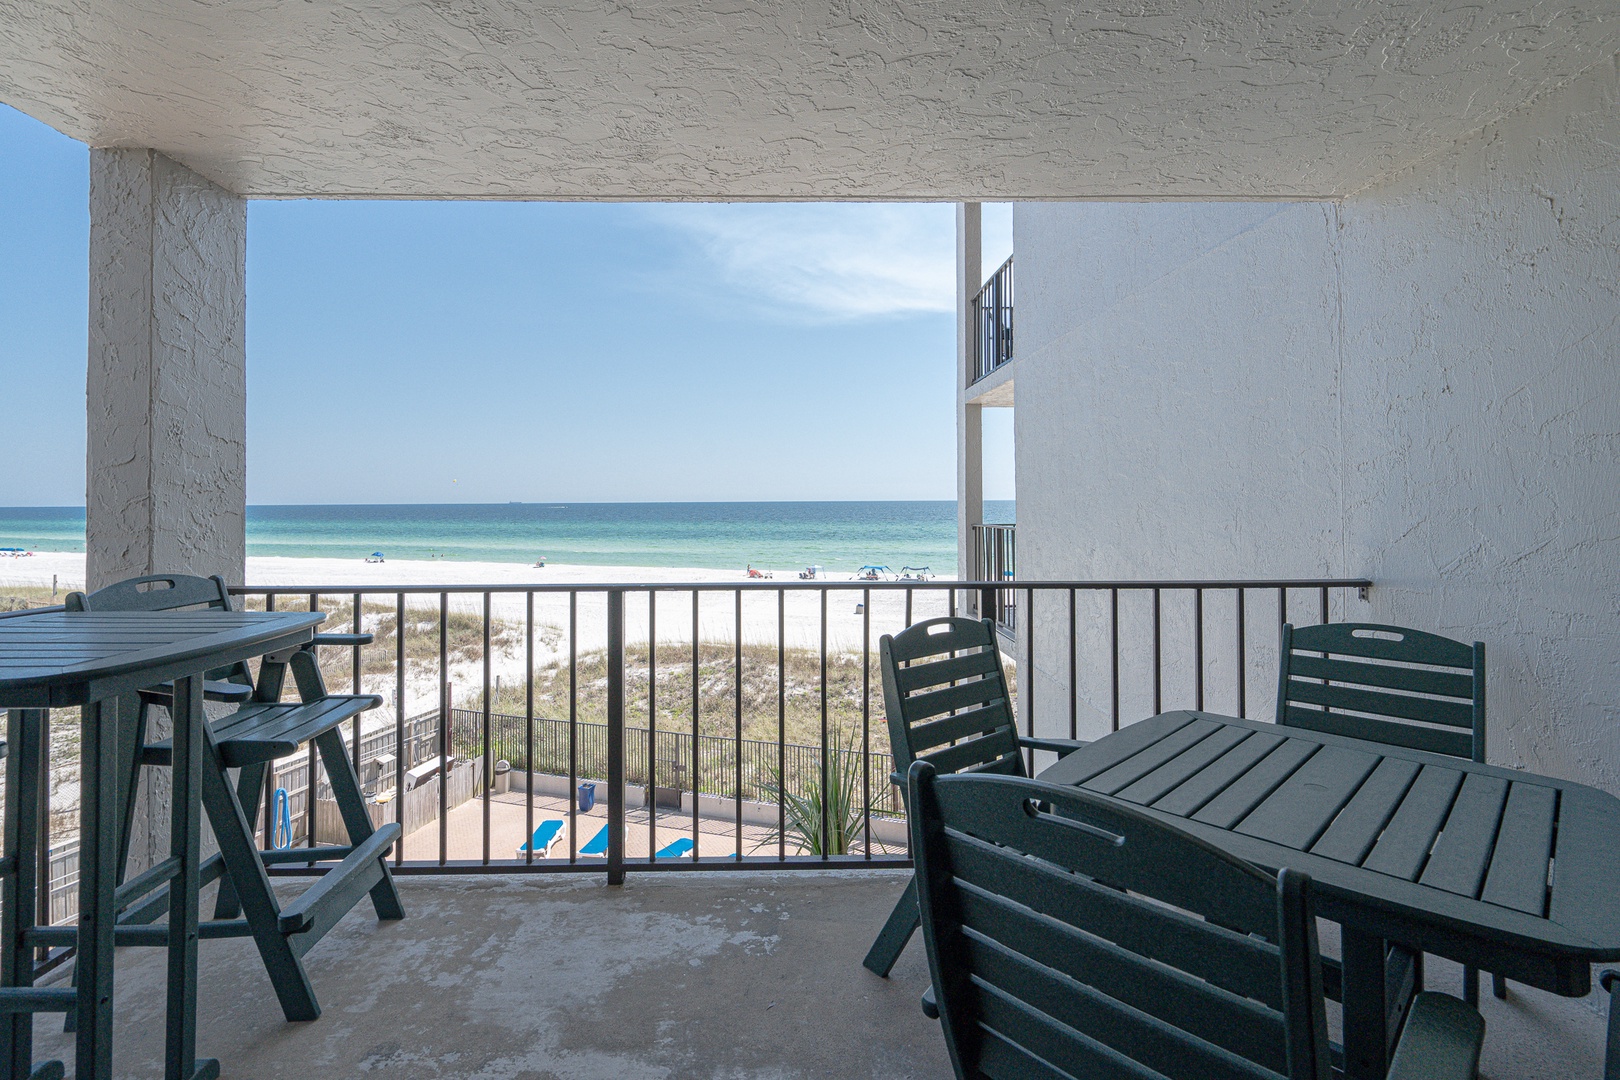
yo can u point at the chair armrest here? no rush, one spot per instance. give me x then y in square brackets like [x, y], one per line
[1441, 1040]
[341, 639]
[1060, 747]
[1609, 979]
[930, 1007]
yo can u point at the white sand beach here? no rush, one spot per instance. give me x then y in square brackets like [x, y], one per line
[799, 622]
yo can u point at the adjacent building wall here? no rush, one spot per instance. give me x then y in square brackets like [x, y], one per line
[1420, 384]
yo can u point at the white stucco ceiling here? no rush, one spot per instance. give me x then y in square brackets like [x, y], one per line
[817, 99]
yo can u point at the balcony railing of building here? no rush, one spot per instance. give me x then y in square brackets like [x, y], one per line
[995, 559]
[699, 716]
[993, 323]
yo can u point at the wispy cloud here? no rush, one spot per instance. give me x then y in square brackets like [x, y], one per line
[834, 261]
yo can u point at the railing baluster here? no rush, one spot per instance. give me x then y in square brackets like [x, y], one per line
[1029, 683]
[310, 811]
[355, 730]
[1198, 644]
[399, 729]
[826, 831]
[572, 794]
[737, 672]
[697, 742]
[1242, 661]
[652, 725]
[1158, 658]
[866, 722]
[1113, 625]
[444, 728]
[781, 724]
[489, 751]
[1074, 686]
[615, 736]
[528, 725]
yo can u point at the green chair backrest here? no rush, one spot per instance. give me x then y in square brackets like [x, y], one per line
[1388, 684]
[164, 592]
[967, 726]
[1067, 931]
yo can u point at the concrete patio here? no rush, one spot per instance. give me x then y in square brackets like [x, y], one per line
[715, 975]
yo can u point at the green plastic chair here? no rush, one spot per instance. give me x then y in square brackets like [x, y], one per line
[1071, 935]
[948, 704]
[1356, 680]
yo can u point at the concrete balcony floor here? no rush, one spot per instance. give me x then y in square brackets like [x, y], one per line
[713, 975]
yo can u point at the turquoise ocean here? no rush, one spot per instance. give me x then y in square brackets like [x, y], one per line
[840, 536]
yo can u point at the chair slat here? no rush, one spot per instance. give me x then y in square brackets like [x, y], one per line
[1003, 1058]
[1241, 963]
[940, 672]
[925, 639]
[1351, 835]
[926, 736]
[1245, 793]
[1236, 1024]
[1459, 859]
[1302, 806]
[1079, 1007]
[1405, 843]
[1139, 765]
[995, 747]
[1412, 736]
[1412, 680]
[1186, 798]
[953, 698]
[1415, 646]
[1428, 710]
[1170, 870]
[1517, 877]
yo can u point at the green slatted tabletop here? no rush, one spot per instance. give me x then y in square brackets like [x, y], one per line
[1506, 871]
[55, 659]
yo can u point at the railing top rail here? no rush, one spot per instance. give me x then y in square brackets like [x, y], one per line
[808, 586]
[991, 279]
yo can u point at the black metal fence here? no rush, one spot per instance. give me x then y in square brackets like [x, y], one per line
[672, 688]
[993, 322]
[995, 558]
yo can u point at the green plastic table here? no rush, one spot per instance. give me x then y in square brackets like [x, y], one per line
[61, 659]
[1506, 871]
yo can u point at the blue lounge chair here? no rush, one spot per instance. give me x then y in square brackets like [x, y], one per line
[675, 849]
[546, 834]
[597, 844]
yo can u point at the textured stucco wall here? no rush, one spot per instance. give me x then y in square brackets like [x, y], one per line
[167, 388]
[714, 99]
[1418, 384]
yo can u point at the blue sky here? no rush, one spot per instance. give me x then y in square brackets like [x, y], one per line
[484, 352]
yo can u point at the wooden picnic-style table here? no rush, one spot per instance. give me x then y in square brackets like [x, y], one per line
[1506, 871]
[60, 659]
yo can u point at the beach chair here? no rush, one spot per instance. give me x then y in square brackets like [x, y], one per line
[1070, 934]
[948, 705]
[596, 845]
[676, 848]
[260, 730]
[547, 833]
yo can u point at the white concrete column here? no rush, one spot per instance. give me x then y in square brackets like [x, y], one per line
[969, 425]
[167, 388]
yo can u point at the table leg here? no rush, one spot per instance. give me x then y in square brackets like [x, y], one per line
[185, 826]
[25, 734]
[98, 872]
[1366, 1043]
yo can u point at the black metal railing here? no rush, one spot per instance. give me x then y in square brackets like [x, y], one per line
[746, 719]
[995, 558]
[993, 322]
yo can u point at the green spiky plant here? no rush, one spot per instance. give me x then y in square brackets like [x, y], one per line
[802, 809]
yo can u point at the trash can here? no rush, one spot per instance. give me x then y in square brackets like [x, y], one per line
[587, 797]
[503, 777]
